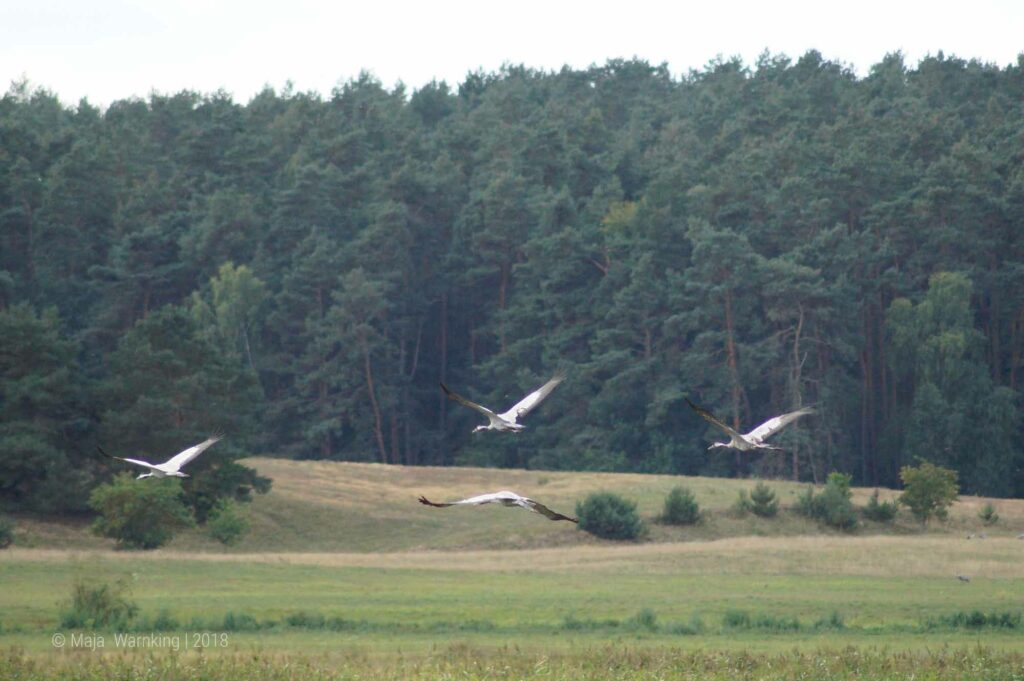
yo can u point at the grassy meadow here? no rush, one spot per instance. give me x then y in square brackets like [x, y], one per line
[345, 575]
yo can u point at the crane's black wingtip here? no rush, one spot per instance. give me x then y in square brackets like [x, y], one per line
[104, 453]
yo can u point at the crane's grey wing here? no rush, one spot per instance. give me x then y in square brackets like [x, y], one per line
[773, 425]
[428, 502]
[547, 512]
[472, 501]
[526, 405]
[178, 460]
[137, 462]
[710, 418]
[466, 403]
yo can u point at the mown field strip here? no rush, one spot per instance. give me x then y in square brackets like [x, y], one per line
[875, 556]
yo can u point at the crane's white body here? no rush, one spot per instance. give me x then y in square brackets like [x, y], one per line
[755, 439]
[172, 467]
[505, 498]
[508, 420]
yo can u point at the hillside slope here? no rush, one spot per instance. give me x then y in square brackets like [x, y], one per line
[320, 506]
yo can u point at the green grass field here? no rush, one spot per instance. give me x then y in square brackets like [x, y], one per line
[345, 573]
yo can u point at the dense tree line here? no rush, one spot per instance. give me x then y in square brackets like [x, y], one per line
[300, 272]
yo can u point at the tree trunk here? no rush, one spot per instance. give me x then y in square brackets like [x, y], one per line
[1016, 335]
[797, 379]
[326, 449]
[441, 371]
[501, 306]
[730, 350]
[378, 427]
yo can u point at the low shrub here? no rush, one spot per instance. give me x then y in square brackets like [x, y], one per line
[142, 515]
[680, 507]
[833, 506]
[607, 515]
[240, 621]
[6, 532]
[97, 605]
[834, 621]
[741, 506]
[976, 619]
[763, 502]
[988, 514]
[880, 512]
[226, 523]
[645, 620]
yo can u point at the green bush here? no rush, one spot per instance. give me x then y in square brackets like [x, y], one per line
[763, 502]
[833, 506]
[680, 507]
[988, 514]
[976, 619]
[736, 619]
[928, 490]
[741, 506]
[226, 523]
[6, 532]
[98, 605]
[141, 514]
[834, 621]
[645, 620]
[607, 515]
[239, 621]
[880, 512]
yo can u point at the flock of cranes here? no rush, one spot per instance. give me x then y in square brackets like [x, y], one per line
[507, 421]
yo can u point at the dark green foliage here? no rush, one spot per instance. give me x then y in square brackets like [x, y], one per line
[736, 619]
[173, 382]
[976, 619]
[763, 501]
[140, 514]
[741, 506]
[833, 505]
[39, 413]
[239, 621]
[609, 516]
[99, 605]
[645, 620]
[834, 622]
[301, 271]
[741, 619]
[226, 523]
[680, 507]
[880, 512]
[6, 532]
[988, 514]
[929, 490]
[163, 621]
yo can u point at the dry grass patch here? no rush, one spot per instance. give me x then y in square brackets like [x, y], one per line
[926, 556]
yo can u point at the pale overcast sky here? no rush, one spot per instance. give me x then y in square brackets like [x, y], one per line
[112, 49]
